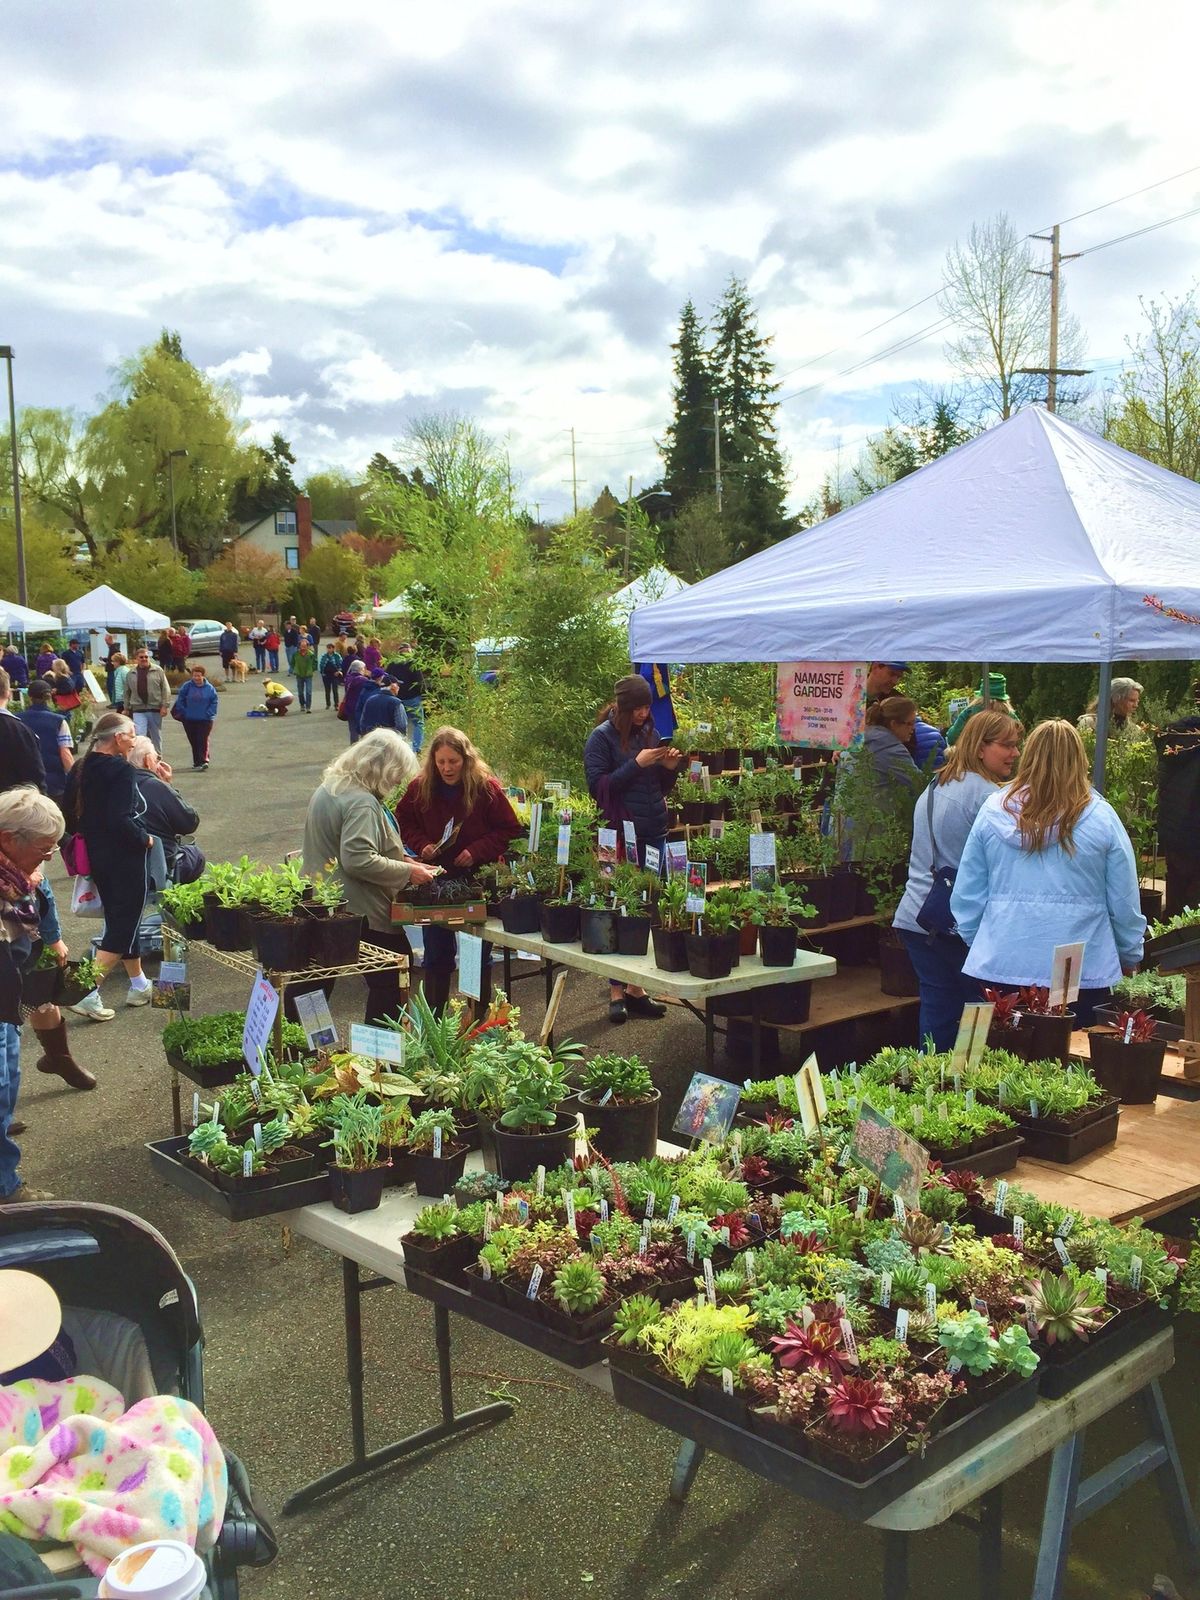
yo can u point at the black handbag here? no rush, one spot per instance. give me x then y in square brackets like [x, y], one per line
[935, 915]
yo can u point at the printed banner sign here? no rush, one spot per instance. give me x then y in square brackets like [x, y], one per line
[260, 1019]
[820, 704]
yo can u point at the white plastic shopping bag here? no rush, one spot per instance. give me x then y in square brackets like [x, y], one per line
[85, 899]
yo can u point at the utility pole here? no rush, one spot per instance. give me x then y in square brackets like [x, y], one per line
[6, 354]
[1053, 372]
[574, 478]
[628, 523]
[717, 450]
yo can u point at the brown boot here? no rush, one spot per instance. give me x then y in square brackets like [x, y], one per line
[58, 1059]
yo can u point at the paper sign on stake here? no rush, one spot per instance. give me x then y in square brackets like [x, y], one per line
[470, 965]
[535, 827]
[710, 1287]
[377, 1044]
[763, 871]
[676, 857]
[902, 1325]
[697, 881]
[631, 849]
[563, 854]
[315, 1017]
[261, 1011]
[606, 850]
[653, 862]
[1065, 969]
[971, 1039]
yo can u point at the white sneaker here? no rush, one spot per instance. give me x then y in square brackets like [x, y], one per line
[93, 1008]
[139, 997]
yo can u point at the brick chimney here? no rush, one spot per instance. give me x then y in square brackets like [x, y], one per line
[304, 538]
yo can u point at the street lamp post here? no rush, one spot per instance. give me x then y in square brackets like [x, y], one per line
[172, 455]
[6, 351]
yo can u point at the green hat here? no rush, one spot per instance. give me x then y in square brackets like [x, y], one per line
[997, 686]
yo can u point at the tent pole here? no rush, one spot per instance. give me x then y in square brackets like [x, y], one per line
[1103, 711]
[986, 686]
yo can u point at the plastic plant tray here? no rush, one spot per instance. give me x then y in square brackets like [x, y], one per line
[1048, 1144]
[990, 1163]
[513, 1325]
[237, 1207]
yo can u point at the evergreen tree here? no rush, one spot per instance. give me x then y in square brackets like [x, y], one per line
[687, 451]
[268, 485]
[742, 376]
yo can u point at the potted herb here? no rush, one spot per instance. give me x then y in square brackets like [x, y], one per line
[357, 1174]
[776, 912]
[559, 916]
[1127, 1060]
[435, 1243]
[597, 919]
[227, 889]
[335, 932]
[280, 934]
[860, 1433]
[670, 949]
[41, 983]
[517, 899]
[478, 1186]
[1048, 1028]
[79, 978]
[632, 889]
[712, 948]
[532, 1132]
[620, 1101]
[393, 1138]
[436, 1161]
[183, 903]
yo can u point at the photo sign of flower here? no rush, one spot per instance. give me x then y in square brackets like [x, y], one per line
[821, 704]
[895, 1157]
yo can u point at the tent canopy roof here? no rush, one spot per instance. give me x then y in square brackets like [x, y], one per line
[1037, 541]
[22, 619]
[105, 608]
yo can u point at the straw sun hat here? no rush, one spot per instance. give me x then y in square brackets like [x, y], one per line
[30, 1318]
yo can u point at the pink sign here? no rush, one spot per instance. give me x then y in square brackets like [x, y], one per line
[820, 704]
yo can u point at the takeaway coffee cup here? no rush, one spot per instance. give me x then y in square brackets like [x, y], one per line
[163, 1569]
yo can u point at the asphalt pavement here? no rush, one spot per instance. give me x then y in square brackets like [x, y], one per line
[568, 1498]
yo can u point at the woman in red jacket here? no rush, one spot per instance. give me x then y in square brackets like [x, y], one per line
[456, 816]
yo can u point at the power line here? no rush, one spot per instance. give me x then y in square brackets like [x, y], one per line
[1132, 195]
[1138, 232]
[891, 349]
[865, 334]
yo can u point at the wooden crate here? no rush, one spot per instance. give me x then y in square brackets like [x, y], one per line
[405, 914]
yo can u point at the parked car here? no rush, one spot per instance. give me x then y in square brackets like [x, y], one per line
[204, 634]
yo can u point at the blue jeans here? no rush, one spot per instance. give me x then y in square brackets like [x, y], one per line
[260, 655]
[290, 650]
[10, 1083]
[944, 990]
[416, 722]
[274, 655]
[304, 693]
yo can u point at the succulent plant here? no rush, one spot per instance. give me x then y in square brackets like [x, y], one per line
[634, 1314]
[817, 1348]
[1063, 1309]
[860, 1405]
[733, 1350]
[1014, 1350]
[967, 1339]
[437, 1223]
[578, 1285]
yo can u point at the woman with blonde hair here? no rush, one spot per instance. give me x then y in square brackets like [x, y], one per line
[1048, 862]
[456, 816]
[982, 759]
[348, 824]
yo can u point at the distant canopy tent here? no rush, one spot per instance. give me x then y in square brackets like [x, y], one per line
[105, 608]
[1038, 541]
[21, 619]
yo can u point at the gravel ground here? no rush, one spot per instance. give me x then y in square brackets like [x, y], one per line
[568, 1497]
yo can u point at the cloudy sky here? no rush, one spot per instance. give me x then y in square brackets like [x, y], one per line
[364, 211]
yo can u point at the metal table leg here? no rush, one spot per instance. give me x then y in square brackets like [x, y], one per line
[687, 1465]
[990, 1534]
[176, 1107]
[507, 971]
[755, 1035]
[895, 1566]
[362, 1460]
[710, 1038]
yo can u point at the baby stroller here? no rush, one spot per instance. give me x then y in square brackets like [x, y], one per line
[132, 1315]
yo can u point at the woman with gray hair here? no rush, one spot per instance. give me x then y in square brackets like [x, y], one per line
[1122, 723]
[30, 827]
[103, 804]
[350, 827]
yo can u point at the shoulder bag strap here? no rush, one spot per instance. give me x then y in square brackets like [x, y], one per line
[929, 819]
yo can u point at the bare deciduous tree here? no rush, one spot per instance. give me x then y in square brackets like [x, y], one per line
[1154, 409]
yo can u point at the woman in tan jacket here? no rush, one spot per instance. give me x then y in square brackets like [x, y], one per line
[349, 825]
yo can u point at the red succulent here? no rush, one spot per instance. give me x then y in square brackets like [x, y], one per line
[859, 1405]
[1142, 1031]
[739, 1233]
[755, 1170]
[817, 1348]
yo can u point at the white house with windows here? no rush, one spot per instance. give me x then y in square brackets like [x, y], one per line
[289, 532]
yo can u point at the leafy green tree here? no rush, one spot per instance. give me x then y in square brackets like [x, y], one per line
[751, 458]
[149, 571]
[243, 578]
[267, 483]
[687, 449]
[337, 575]
[1155, 409]
[697, 540]
[162, 403]
[52, 574]
[53, 480]
[334, 495]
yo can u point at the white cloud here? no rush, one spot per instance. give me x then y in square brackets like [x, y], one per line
[501, 209]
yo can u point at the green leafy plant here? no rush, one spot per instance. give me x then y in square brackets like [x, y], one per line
[328, 890]
[420, 1137]
[671, 904]
[1064, 1309]
[184, 901]
[437, 1223]
[1013, 1350]
[628, 1077]
[966, 1338]
[634, 1314]
[357, 1125]
[579, 1285]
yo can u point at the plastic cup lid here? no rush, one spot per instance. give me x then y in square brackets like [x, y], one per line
[163, 1569]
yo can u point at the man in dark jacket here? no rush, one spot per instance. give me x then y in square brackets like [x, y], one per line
[20, 753]
[1178, 746]
[380, 707]
[167, 814]
[410, 681]
[52, 729]
[74, 658]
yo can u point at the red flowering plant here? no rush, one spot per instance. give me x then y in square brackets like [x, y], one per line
[817, 1348]
[1136, 1027]
[858, 1406]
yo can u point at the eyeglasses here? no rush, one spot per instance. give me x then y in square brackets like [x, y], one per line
[1005, 744]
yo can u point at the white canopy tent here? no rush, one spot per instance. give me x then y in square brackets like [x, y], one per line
[22, 619]
[1038, 541]
[655, 584]
[105, 608]
[397, 607]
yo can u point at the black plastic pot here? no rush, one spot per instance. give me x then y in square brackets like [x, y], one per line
[692, 811]
[1152, 903]
[41, 986]
[623, 1133]
[281, 944]
[710, 955]
[520, 913]
[820, 891]
[519, 1155]
[896, 973]
[1129, 1071]
[633, 935]
[670, 949]
[225, 926]
[334, 941]
[597, 931]
[435, 1176]
[71, 991]
[785, 1002]
[843, 894]
[357, 1191]
[1049, 1038]
[777, 945]
[560, 924]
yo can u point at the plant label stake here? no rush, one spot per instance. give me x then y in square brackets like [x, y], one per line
[1001, 1196]
[649, 1205]
[489, 1220]
[902, 1325]
[673, 1208]
[931, 1300]
[606, 1096]
[1064, 1228]
[979, 1304]
[258, 1144]
[710, 1287]
[644, 1239]
[748, 1264]
[485, 1268]
[523, 1210]
[1063, 1254]
[850, 1342]
[569, 1198]
[1135, 1272]
[807, 1316]
[603, 1209]
[1019, 1229]
[900, 1209]
[541, 1182]
[954, 1366]
[885, 1290]
[691, 1248]
[1101, 1275]
[535, 1283]
[563, 853]
[196, 1109]
[727, 1381]
[535, 827]
[437, 1143]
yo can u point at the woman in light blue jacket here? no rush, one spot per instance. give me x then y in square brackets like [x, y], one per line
[1047, 862]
